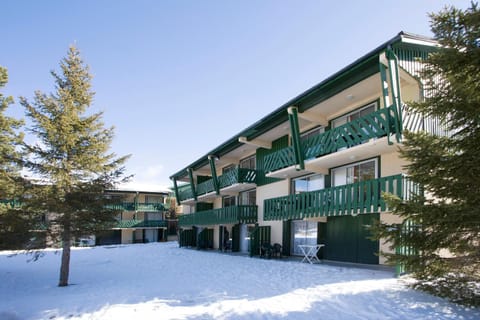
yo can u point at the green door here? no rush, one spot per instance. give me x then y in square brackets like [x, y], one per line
[346, 239]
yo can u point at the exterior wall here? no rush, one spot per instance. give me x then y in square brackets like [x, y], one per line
[127, 236]
[272, 190]
[387, 217]
[391, 164]
[216, 236]
[217, 203]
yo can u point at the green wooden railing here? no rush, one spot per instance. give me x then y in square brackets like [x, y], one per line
[378, 124]
[227, 215]
[138, 206]
[237, 175]
[351, 199]
[185, 192]
[234, 176]
[205, 187]
[11, 204]
[127, 224]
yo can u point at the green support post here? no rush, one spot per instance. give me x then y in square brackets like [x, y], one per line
[192, 183]
[211, 159]
[383, 77]
[395, 81]
[295, 130]
[175, 187]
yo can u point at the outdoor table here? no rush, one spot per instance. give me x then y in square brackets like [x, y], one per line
[310, 252]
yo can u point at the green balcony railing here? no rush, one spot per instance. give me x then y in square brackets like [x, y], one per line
[137, 224]
[351, 199]
[138, 206]
[237, 175]
[227, 215]
[205, 187]
[378, 124]
[234, 176]
[185, 192]
[11, 204]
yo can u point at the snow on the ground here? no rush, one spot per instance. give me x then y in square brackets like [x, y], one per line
[162, 281]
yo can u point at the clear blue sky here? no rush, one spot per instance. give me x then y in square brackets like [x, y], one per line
[178, 78]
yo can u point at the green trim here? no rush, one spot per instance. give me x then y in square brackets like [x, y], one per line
[396, 93]
[295, 131]
[384, 84]
[192, 183]
[175, 188]
[211, 159]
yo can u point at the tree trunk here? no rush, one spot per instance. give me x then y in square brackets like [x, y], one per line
[65, 265]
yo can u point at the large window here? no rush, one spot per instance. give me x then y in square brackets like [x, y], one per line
[308, 183]
[361, 112]
[228, 168]
[249, 163]
[353, 173]
[310, 133]
[303, 232]
[248, 198]
[229, 201]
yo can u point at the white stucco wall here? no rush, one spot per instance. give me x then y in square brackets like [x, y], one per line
[272, 190]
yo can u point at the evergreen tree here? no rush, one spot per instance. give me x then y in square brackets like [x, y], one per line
[14, 225]
[71, 159]
[442, 224]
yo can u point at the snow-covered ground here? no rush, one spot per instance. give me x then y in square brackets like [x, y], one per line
[162, 281]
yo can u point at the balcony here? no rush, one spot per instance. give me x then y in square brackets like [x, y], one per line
[228, 215]
[10, 204]
[379, 124]
[351, 199]
[232, 181]
[141, 224]
[138, 206]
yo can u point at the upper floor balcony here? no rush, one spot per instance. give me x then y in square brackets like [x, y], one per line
[227, 215]
[139, 206]
[234, 180]
[350, 199]
[373, 132]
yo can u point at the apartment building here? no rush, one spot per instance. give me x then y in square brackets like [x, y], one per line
[142, 218]
[313, 170]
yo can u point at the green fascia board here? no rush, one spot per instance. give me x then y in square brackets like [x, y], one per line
[353, 73]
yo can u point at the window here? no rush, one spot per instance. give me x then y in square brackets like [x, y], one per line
[308, 183]
[249, 163]
[353, 173]
[361, 112]
[248, 198]
[153, 199]
[228, 168]
[310, 133]
[303, 232]
[229, 201]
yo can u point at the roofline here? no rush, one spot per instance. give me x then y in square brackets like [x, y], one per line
[135, 192]
[233, 142]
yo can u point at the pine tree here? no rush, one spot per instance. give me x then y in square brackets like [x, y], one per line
[442, 224]
[71, 159]
[14, 224]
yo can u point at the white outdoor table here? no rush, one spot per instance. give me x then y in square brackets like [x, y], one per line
[310, 252]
